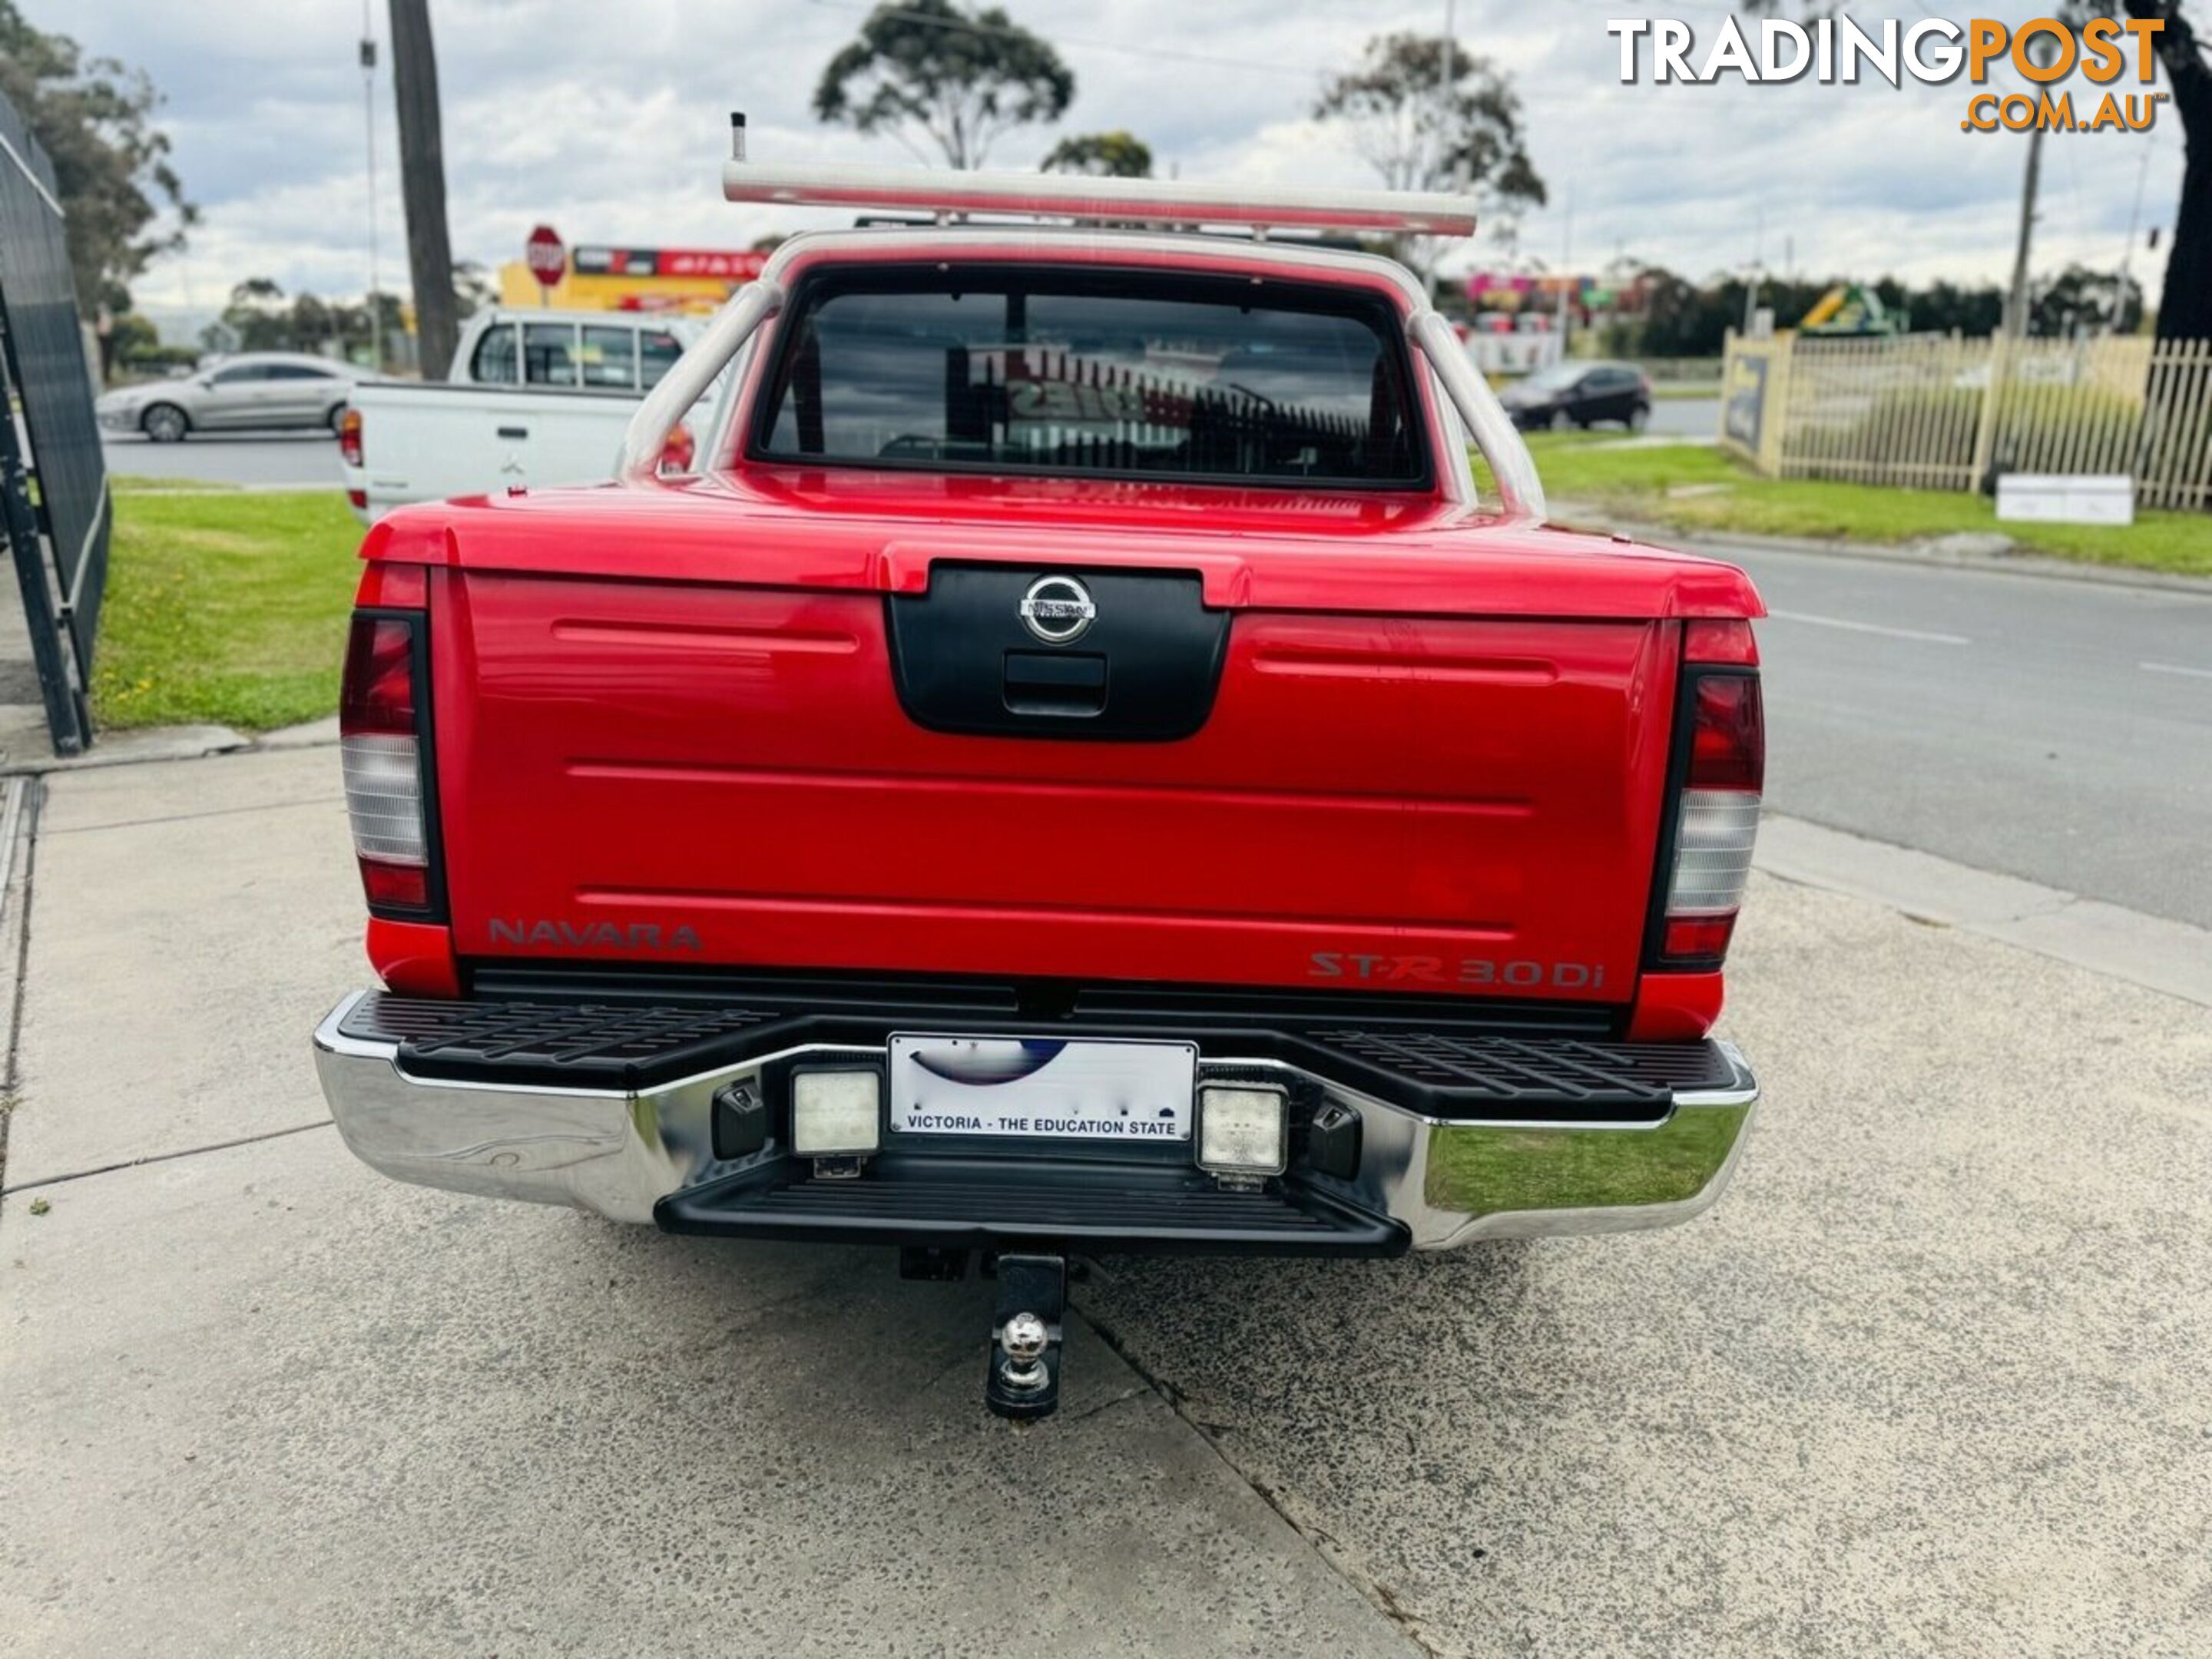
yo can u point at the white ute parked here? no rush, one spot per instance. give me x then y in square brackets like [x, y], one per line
[533, 398]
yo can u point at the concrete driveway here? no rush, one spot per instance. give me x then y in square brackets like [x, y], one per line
[1930, 1379]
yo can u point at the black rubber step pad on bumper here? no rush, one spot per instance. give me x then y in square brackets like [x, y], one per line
[1454, 1069]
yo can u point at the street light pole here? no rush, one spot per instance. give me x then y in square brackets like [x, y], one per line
[2128, 248]
[1428, 251]
[1757, 268]
[1444, 87]
[369, 108]
[1566, 262]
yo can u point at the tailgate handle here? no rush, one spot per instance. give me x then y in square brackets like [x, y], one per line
[514, 432]
[1055, 683]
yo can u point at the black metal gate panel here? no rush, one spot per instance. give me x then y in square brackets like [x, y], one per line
[53, 476]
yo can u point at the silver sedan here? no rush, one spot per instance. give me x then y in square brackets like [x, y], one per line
[255, 389]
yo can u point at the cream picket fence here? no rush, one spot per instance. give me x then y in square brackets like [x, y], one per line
[1946, 412]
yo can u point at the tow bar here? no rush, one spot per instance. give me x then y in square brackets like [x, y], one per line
[1023, 1380]
[1025, 1329]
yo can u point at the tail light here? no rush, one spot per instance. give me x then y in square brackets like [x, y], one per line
[678, 452]
[1721, 766]
[383, 724]
[349, 437]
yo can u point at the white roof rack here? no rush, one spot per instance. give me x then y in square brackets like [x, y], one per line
[1074, 196]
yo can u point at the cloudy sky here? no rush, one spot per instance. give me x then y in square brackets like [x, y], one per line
[609, 119]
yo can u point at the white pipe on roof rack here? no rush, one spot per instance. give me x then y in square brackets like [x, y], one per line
[1072, 196]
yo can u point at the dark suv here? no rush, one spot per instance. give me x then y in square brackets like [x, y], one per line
[1584, 393]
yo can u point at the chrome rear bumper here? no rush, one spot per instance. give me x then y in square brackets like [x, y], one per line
[620, 1152]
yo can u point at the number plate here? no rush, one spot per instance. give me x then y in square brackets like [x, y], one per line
[1025, 1086]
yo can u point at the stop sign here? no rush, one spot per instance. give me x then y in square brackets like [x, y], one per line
[547, 259]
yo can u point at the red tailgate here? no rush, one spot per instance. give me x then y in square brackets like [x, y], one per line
[687, 773]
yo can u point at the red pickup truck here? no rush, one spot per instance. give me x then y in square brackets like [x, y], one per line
[1080, 768]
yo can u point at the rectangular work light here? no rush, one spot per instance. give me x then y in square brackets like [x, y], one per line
[1243, 1131]
[836, 1114]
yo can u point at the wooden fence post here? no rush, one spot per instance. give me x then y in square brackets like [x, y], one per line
[1781, 347]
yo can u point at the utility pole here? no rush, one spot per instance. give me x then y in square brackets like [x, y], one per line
[369, 108]
[2045, 52]
[423, 184]
[2016, 296]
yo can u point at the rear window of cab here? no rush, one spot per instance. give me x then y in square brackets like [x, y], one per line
[603, 357]
[1081, 372]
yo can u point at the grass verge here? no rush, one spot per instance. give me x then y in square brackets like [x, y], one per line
[1694, 487]
[225, 608]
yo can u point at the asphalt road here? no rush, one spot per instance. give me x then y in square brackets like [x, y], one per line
[303, 460]
[2052, 729]
[1928, 1380]
[1685, 417]
[1674, 418]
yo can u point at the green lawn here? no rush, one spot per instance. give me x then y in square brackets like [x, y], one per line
[229, 608]
[1594, 480]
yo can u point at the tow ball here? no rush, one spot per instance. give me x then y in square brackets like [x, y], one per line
[1024, 1381]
